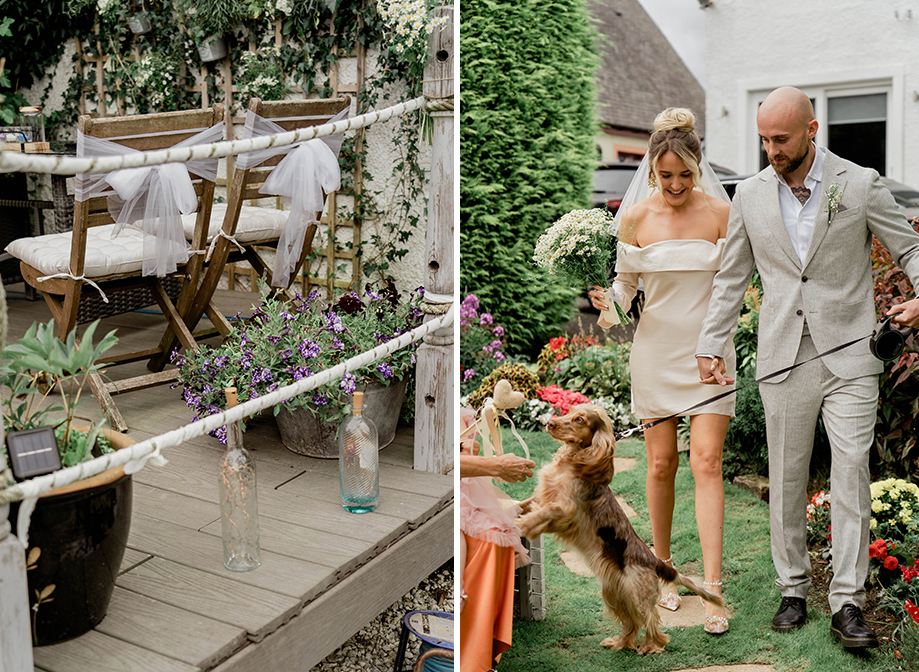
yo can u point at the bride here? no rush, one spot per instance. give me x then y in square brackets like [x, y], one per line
[671, 229]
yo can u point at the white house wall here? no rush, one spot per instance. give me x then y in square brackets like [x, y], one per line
[823, 47]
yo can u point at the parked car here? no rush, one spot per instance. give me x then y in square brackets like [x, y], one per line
[611, 179]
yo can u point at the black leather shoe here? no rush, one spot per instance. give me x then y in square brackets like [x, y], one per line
[850, 629]
[791, 614]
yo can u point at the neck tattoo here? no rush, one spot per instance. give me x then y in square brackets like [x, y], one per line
[801, 193]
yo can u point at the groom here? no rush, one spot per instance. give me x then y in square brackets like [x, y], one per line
[806, 223]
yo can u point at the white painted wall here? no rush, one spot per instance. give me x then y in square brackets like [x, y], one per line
[820, 46]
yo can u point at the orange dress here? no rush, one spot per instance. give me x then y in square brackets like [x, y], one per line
[493, 551]
[487, 620]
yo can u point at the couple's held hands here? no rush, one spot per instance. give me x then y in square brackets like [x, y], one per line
[598, 300]
[906, 313]
[712, 371]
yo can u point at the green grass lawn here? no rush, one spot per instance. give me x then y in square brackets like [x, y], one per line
[569, 638]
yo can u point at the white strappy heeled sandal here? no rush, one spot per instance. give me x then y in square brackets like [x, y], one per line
[671, 599]
[714, 625]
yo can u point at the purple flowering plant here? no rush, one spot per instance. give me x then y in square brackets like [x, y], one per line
[286, 340]
[481, 344]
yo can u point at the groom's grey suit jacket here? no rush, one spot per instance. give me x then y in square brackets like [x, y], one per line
[832, 289]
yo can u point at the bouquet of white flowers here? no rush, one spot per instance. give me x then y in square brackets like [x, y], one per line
[581, 249]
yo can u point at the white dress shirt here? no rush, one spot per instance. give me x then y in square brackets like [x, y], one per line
[799, 219]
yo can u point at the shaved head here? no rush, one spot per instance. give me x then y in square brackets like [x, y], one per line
[789, 104]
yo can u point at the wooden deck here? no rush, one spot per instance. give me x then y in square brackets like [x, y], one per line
[324, 572]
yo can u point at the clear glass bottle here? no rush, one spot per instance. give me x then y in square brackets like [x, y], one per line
[358, 460]
[238, 500]
[31, 118]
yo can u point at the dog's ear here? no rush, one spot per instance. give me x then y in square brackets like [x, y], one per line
[595, 463]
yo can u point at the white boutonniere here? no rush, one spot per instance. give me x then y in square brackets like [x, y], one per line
[833, 196]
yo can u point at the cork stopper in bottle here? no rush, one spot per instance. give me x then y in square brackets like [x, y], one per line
[357, 403]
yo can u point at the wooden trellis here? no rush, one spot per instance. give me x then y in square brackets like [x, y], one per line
[336, 230]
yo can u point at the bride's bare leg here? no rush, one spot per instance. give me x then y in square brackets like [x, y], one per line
[706, 445]
[663, 460]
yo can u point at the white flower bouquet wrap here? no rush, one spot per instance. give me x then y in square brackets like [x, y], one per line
[581, 249]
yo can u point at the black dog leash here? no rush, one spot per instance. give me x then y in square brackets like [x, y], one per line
[648, 425]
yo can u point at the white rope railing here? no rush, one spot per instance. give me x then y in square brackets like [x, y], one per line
[139, 453]
[71, 165]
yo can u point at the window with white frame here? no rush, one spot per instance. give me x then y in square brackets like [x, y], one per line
[853, 122]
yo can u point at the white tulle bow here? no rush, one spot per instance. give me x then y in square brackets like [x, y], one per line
[151, 199]
[303, 177]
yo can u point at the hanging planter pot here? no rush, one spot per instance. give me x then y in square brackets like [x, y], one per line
[77, 538]
[139, 24]
[212, 48]
[306, 434]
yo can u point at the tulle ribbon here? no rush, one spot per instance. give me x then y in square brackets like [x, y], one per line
[308, 172]
[152, 198]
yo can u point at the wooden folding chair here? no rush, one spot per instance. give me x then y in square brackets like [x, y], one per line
[252, 227]
[91, 255]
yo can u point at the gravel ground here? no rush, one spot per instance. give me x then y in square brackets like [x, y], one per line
[374, 647]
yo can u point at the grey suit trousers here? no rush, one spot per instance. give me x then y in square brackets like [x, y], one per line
[849, 410]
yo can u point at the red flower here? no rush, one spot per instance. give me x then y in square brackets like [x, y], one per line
[556, 343]
[891, 562]
[913, 610]
[878, 549]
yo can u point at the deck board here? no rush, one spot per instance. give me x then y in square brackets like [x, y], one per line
[158, 626]
[101, 653]
[325, 573]
[213, 596]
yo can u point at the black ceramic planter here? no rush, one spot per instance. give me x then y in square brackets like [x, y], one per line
[76, 544]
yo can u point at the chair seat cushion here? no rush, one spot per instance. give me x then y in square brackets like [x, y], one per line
[255, 223]
[105, 254]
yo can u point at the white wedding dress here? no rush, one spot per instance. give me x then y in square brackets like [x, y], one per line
[677, 277]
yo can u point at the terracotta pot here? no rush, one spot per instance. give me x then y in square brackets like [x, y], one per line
[306, 434]
[77, 538]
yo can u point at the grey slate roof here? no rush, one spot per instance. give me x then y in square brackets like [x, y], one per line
[640, 74]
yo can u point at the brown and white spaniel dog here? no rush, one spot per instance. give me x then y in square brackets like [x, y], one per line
[574, 502]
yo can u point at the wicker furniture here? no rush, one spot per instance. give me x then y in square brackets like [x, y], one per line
[90, 252]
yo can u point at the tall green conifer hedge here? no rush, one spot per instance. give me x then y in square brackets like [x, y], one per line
[527, 151]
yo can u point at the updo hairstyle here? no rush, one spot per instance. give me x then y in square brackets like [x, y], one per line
[674, 131]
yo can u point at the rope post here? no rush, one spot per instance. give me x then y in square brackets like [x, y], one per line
[434, 402]
[15, 630]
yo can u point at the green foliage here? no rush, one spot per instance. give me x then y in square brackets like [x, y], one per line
[596, 371]
[747, 329]
[520, 378]
[212, 17]
[39, 370]
[895, 447]
[527, 151]
[745, 449]
[260, 76]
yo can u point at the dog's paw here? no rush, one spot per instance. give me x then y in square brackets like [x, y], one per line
[618, 643]
[654, 644]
